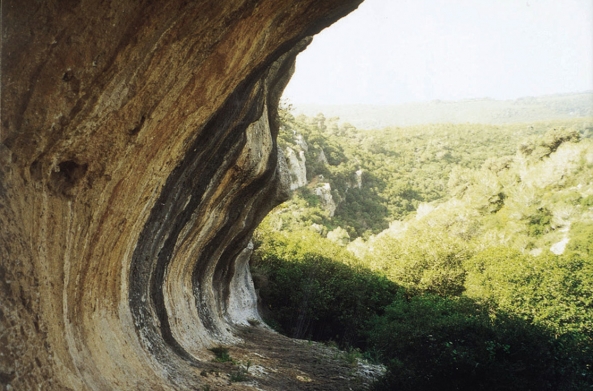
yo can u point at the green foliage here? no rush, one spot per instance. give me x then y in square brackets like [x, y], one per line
[221, 354]
[352, 355]
[460, 292]
[339, 236]
[548, 290]
[311, 294]
[539, 222]
[422, 261]
[436, 343]
[580, 245]
[504, 336]
[403, 167]
[241, 374]
[555, 137]
[400, 168]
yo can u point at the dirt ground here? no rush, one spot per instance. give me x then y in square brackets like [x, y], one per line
[268, 361]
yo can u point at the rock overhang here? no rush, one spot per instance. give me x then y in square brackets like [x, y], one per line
[138, 155]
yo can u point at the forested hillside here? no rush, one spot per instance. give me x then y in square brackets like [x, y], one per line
[378, 176]
[488, 111]
[454, 254]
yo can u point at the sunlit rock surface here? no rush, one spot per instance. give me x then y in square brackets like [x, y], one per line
[358, 177]
[324, 192]
[137, 156]
[300, 141]
[559, 247]
[296, 167]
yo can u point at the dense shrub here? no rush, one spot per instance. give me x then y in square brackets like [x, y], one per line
[581, 239]
[435, 343]
[552, 291]
[310, 294]
[422, 261]
[427, 341]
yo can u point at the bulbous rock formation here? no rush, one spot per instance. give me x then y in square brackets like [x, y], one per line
[137, 156]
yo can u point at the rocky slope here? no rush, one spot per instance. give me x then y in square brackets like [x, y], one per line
[137, 156]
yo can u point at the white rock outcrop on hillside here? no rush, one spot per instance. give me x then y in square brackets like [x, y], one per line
[358, 174]
[324, 191]
[296, 167]
[300, 141]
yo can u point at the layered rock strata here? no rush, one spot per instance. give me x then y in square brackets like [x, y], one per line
[137, 156]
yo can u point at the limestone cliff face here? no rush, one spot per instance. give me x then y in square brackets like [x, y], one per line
[297, 168]
[137, 156]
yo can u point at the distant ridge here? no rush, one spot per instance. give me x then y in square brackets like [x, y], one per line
[488, 111]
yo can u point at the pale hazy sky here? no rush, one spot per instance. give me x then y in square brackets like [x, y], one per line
[396, 51]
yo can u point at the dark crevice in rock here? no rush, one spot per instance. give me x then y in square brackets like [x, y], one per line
[66, 175]
[36, 170]
[134, 131]
[263, 190]
[6, 378]
[225, 270]
[69, 75]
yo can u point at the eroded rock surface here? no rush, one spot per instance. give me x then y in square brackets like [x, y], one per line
[137, 156]
[297, 168]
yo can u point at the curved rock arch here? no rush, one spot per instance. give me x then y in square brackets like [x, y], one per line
[137, 156]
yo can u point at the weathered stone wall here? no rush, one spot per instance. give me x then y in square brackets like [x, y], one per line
[137, 156]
